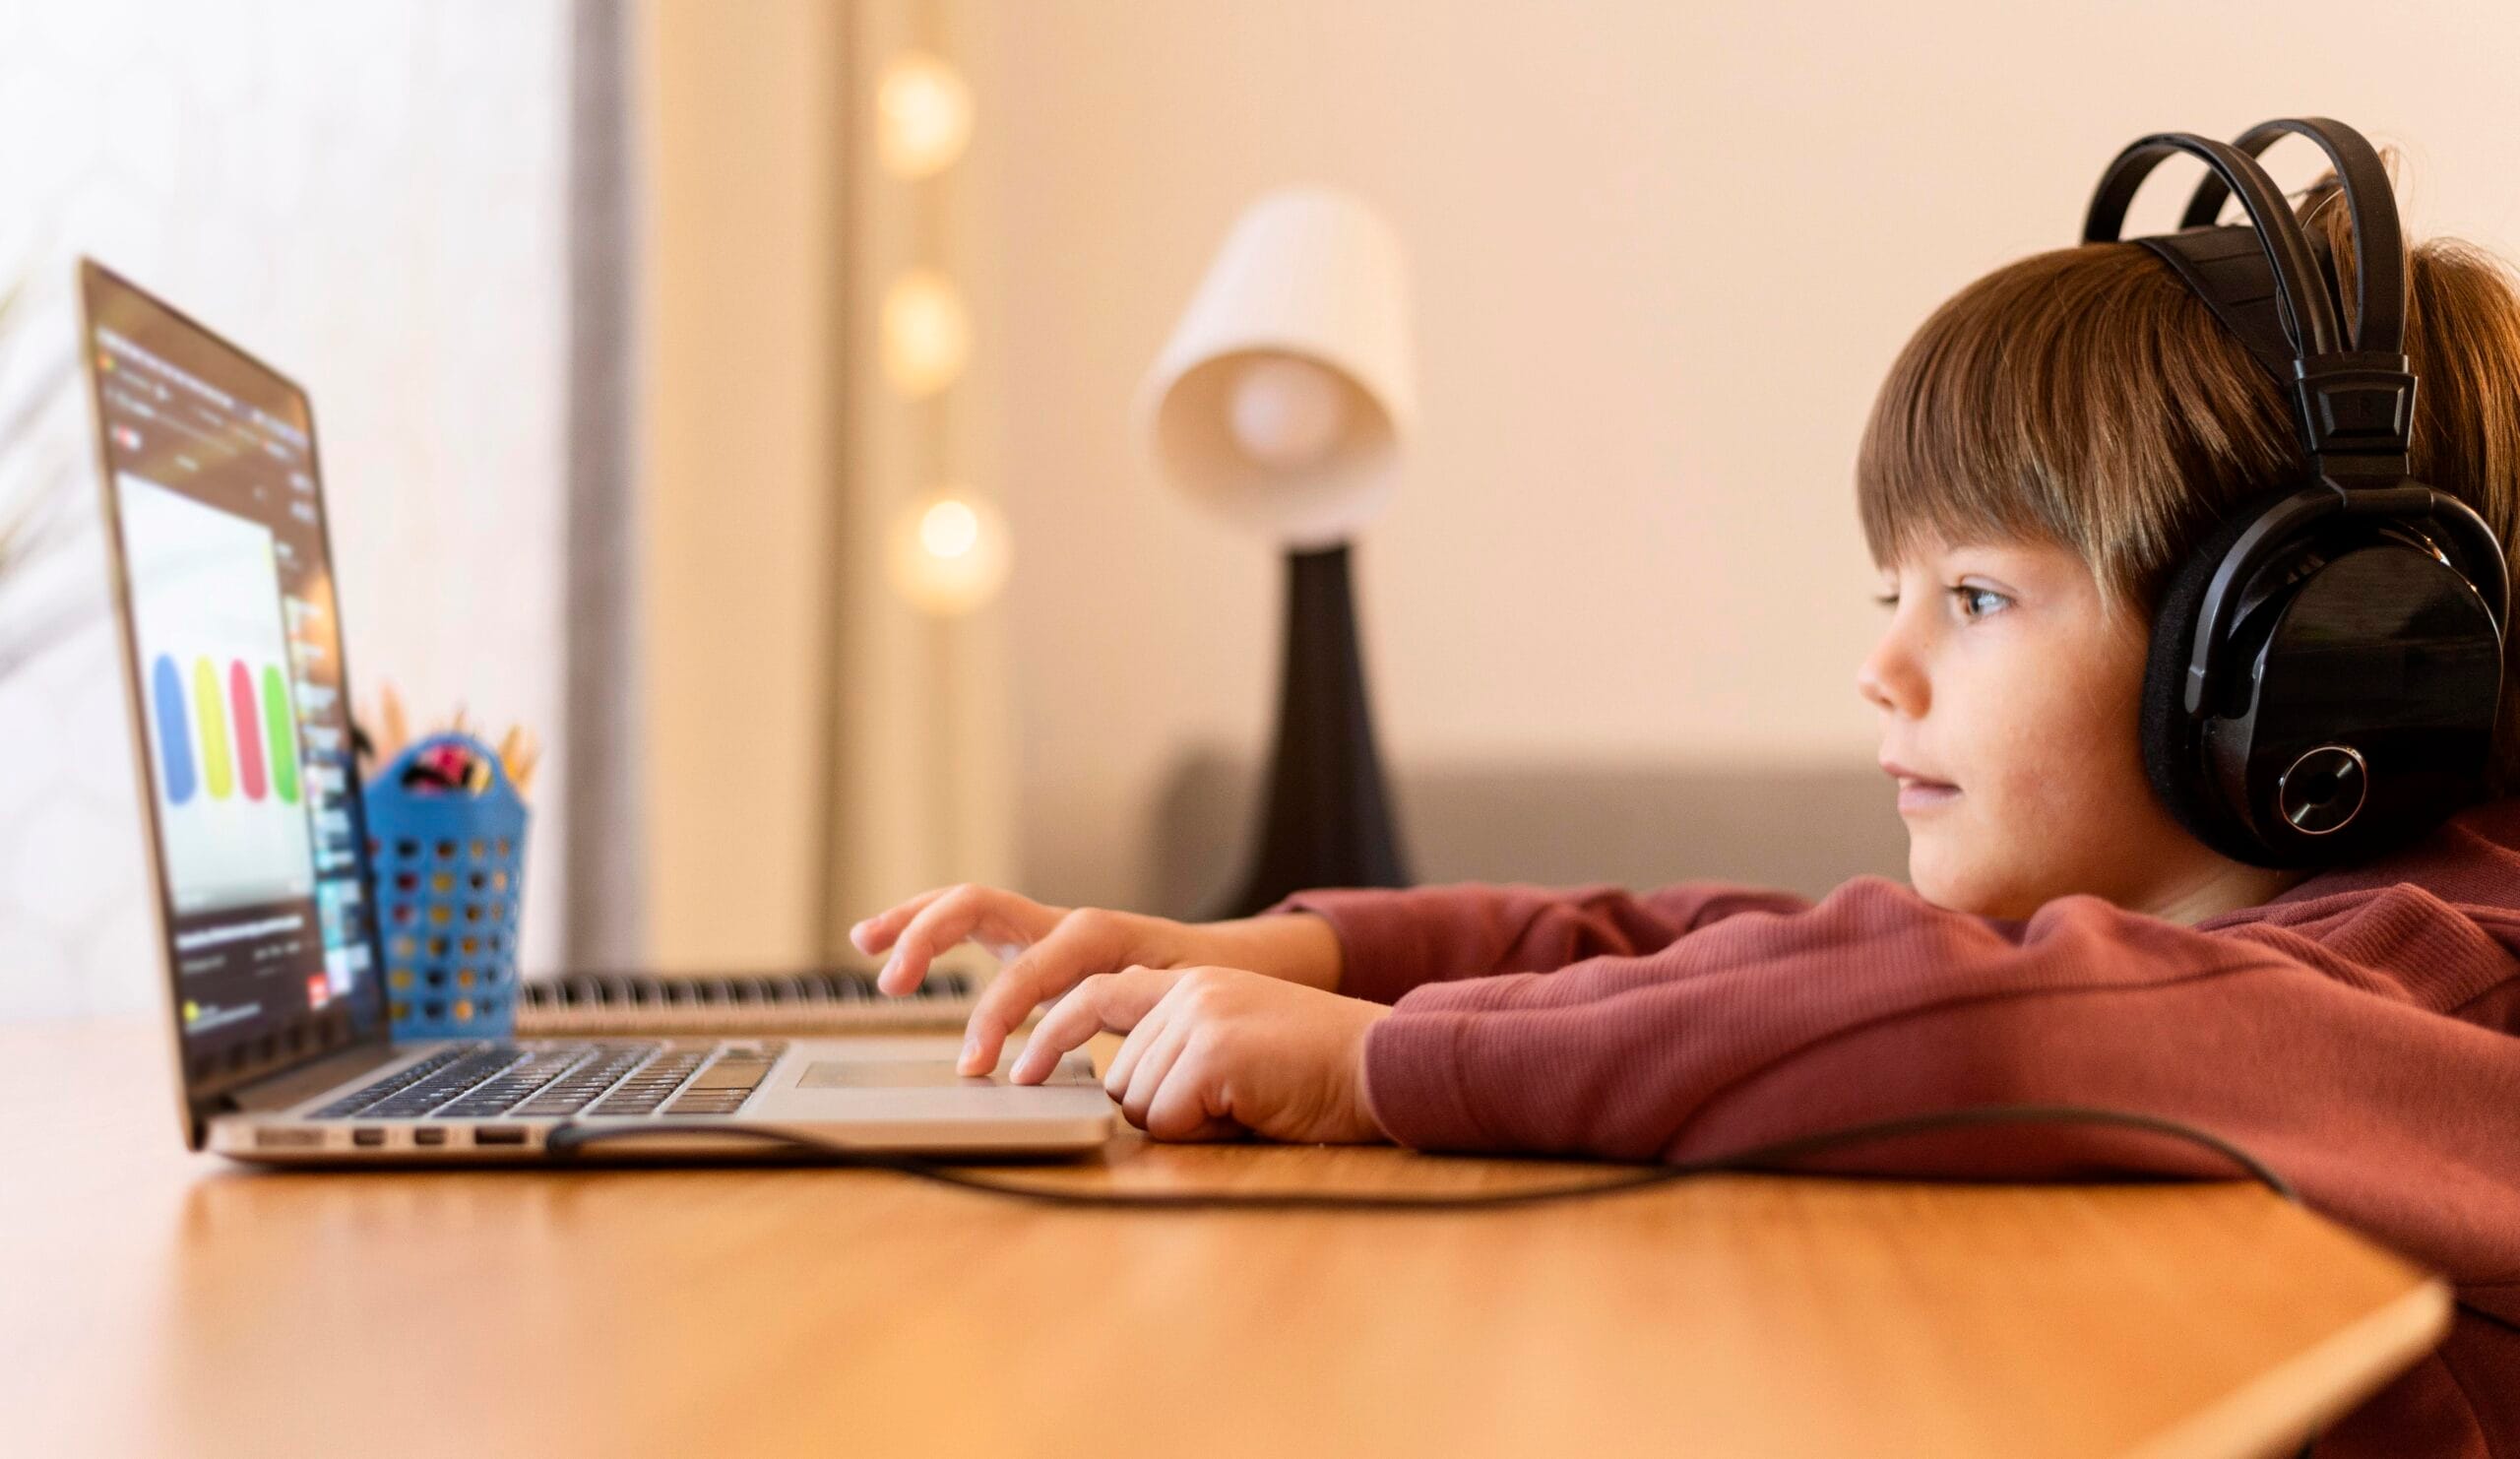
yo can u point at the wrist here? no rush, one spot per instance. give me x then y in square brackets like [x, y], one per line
[1369, 1125]
[1294, 946]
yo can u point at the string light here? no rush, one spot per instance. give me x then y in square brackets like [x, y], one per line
[948, 552]
[926, 335]
[949, 529]
[923, 116]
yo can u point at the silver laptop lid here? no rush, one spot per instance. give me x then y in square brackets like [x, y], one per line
[232, 655]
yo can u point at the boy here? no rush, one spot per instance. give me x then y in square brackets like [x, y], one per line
[2044, 450]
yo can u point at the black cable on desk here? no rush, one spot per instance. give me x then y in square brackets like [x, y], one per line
[568, 1139]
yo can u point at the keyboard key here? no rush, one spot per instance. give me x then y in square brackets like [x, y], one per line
[573, 1091]
[647, 1090]
[489, 1080]
[447, 1084]
[389, 1097]
[516, 1084]
[393, 1083]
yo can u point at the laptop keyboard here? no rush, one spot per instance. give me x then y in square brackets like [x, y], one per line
[471, 1081]
[644, 1092]
[579, 1087]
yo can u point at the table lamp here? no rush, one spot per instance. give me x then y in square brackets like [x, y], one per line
[1281, 402]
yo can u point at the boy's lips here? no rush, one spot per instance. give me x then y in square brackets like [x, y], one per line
[1916, 790]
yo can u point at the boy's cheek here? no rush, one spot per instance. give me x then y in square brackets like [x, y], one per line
[1984, 833]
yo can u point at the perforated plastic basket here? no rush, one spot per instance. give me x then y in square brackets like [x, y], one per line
[449, 881]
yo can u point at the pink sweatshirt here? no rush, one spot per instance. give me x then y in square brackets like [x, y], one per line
[2356, 1034]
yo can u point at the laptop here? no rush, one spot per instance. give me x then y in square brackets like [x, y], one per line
[273, 969]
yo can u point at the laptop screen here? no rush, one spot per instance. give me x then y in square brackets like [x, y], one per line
[234, 643]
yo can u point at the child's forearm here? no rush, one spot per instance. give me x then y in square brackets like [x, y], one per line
[1388, 941]
[1296, 946]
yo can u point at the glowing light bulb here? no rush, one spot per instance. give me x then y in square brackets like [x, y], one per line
[926, 335]
[948, 552]
[949, 529]
[923, 116]
[1286, 412]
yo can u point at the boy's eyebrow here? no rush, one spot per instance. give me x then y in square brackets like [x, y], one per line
[2019, 567]
[2017, 557]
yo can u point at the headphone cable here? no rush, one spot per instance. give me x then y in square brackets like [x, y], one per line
[569, 1139]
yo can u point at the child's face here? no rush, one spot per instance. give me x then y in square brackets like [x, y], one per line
[1998, 676]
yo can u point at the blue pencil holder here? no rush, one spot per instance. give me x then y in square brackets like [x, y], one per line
[450, 880]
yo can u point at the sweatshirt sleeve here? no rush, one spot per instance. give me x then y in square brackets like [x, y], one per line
[2295, 1044]
[1392, 942]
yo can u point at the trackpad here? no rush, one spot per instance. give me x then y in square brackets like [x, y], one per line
[887, 1073]
[920, 1073]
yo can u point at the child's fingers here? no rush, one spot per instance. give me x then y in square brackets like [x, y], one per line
[1104, 1000]
[938, 926]
[1124, 1062]
[1076, 948]
[1187, 1107]
[1146, 1076]
[1008, 921]
[878, 932]
[956, 913]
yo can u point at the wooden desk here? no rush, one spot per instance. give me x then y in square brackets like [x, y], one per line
[161, 1303]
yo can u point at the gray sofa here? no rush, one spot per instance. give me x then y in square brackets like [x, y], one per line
[1801, 828]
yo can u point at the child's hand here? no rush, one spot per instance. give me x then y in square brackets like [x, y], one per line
[1213, 1052]
[1050, 949]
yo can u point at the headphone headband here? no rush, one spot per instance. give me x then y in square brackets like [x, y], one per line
[2308, 320]
[2352, 407]
[2379, 273]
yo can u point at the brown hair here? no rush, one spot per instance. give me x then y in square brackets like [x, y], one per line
[2085, 397]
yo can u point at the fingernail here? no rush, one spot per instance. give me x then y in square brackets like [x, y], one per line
[970, 1053]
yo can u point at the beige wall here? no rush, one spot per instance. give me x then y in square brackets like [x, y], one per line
[738, 456]
[921, 726]
[816, 747]
[1663, 254]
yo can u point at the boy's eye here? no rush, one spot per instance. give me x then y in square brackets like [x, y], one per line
[1968, 596]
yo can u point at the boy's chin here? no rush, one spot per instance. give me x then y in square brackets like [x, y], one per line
[1966, 886]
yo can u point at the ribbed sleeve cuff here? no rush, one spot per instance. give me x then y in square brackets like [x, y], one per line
[1413, 1084]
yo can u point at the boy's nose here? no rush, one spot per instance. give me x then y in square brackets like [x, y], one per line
[1888, 679]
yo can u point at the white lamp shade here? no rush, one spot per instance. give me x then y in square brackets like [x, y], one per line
[1236, 413]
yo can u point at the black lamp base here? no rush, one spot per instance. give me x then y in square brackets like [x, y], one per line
[1327, 819]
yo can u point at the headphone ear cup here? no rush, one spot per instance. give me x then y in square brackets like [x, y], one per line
[2174, 760]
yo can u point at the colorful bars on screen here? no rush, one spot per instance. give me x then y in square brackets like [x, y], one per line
[211, 741]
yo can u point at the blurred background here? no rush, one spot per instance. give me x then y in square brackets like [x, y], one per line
[744, 397]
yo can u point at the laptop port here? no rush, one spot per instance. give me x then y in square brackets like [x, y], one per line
[367, 1137]
[428, 1135]
[491, 1134]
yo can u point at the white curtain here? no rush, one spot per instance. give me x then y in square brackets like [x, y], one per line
[374, 197]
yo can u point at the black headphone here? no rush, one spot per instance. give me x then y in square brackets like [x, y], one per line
[2326, 665]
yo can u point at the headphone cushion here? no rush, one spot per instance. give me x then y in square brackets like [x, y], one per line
[2168, 735]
